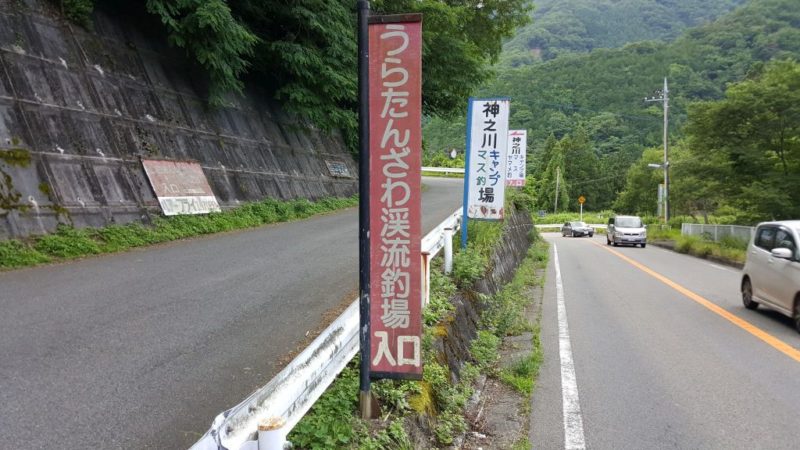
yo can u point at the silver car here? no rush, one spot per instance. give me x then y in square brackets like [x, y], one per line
[772, 271]
[626, 230]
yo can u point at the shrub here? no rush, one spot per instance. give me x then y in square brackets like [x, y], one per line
[16, 254]
[468, 266]
[67, 242]
[484, 349]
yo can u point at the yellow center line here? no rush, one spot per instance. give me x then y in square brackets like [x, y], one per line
[776, 343]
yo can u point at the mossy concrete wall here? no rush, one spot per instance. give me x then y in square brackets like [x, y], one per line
[454, 346]
[78, 109]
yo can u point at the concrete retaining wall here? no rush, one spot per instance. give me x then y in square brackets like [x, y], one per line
[455, 344]
[79, 109]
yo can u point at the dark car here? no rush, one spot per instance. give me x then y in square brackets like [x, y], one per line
[576, 229]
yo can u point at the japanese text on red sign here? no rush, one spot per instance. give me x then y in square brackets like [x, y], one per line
[395, 198]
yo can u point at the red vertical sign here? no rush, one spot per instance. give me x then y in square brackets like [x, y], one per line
[395, 102]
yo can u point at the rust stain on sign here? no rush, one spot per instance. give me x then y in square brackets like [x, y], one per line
[181, 187]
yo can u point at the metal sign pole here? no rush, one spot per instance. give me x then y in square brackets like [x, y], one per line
[363, 206]
[466, 176]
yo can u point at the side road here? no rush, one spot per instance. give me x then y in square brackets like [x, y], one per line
[143, 349]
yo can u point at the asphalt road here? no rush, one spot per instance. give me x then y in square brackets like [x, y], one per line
[143, 349]
[654, 367]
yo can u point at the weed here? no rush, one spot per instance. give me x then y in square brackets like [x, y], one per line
[329, 424]
[68, 242]
[393, 437]
[522, 374]
[442, 288]
[522, 444]
[16, 254]
[484, 350]
[468, 266]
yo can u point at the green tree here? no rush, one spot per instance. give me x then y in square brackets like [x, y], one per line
[552, 183]
[640, 195]
[753, 135]
[581, 165]
[208, 32]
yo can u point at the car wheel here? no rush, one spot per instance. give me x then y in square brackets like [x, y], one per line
[644, 245]
[797, 313]
[747, 296]
[608, 241]
[615, 243]
[573, 234]
[591, 234]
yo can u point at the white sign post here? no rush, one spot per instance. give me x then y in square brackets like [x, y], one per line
[484, 177]
[486, 153]
[517, 149]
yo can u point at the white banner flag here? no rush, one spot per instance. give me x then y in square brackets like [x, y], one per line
[487, 128]
[517, 149]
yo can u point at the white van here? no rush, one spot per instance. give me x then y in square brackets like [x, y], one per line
[626, 230]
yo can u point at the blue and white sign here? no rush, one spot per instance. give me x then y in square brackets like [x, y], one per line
[487, 134]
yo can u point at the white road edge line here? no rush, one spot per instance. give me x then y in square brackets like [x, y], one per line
[721, 268]
[573, 422]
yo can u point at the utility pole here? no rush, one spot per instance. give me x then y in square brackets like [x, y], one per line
[558, 175]
[663, 97]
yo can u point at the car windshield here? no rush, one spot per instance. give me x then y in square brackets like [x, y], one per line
[578, 224]
[629, 222]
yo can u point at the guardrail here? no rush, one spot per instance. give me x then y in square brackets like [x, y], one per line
[263, 419]
[443, 169]
[717, 232]
[559, 225]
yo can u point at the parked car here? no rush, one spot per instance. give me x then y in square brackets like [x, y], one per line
[576, 229]
[772, 270]
[626, 230]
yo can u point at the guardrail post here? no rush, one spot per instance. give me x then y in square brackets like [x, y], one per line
[426, 278]
[448, 250]
[270, 434]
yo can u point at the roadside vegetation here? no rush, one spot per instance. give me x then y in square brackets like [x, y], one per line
[437, 400]
[734, 82]
[69, 243]
[304, 51]
[728, 250]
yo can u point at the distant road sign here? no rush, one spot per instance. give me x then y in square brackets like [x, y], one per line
[581, 199]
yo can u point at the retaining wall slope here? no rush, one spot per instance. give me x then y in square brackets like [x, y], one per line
[79, 109]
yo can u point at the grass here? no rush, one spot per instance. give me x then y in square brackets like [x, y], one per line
[588, 217]
[728, 249]
[522, 374]
[505, 316]
[437, 396]
[69, 243]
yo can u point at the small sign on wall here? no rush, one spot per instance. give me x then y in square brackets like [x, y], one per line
[181, 187]
[338, 169]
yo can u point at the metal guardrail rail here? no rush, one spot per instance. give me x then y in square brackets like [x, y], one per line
[292, 392]
[443, 169]
[717, 232]
[559, 225]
